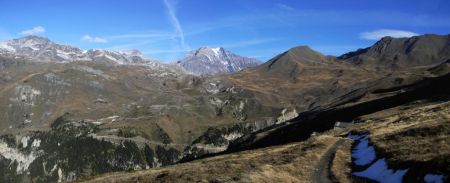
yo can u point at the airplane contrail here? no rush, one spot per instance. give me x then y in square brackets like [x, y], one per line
[175, 23]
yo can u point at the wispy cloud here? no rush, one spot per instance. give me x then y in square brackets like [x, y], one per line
[170, 5]
[130, 45]
[323, 18]
[153, 34]
[33, 31]
[380, 33]
[284, 7]
[251, 42]
[93, 39]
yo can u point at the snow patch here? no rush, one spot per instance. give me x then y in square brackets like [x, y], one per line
[156, 163]
[64, 56]
[60, 175]
[26, 94]
[24, 141]
[33, 48]
[36, 143]
[212, 88]
[216, 51]
[54, 168]
[5, 46]
[112, 58]
[241, 105]
[211, 148]
[379, 171]
[433, 178]
[363, 153]
[109, 119]
[23, 160]
[287, 115]
[232, 136]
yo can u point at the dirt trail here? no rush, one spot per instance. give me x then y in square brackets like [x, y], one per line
[322, 169]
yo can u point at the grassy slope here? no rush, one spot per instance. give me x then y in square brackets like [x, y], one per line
[412, 135]
[415, 133]
[289, 163]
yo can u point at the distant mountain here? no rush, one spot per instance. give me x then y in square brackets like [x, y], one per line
[402, 52]
[43, 50]
[202, 61]
[207, 60]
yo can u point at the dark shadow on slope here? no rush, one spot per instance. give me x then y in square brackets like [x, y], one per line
[318, 121]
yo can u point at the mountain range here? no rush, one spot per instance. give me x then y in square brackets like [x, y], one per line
[202, 61]
[139, 116]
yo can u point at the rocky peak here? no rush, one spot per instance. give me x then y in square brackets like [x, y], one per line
[305, 53]
[294, 57]
[32, 39]
[207, 51]
[206, 60]
[132, 52]
[33, 42]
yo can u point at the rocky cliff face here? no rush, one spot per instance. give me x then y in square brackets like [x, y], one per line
[71, 150]
[215, 60]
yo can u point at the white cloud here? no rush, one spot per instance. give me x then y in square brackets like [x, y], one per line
[284, 7]
[33, 31]
[380, 33]
[92, 39]
[170, 5]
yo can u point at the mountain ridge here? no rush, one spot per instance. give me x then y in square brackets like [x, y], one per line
[43, 50]
[204, 60]
[402, 52]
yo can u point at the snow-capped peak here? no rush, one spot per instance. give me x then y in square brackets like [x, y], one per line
[207, 60]
[32, 39]
[216, 50]
[5, 47]
[43, 50]
[208, 52]
[133, 52]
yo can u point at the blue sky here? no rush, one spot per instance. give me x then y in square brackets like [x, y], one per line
[167, 29]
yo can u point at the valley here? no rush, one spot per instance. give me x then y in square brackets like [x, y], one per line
[239, 121]
[328, 156]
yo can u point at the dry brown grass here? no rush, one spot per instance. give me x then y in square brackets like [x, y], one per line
[419, 133]
[288, 163]
[415, 133]
[340, 167]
